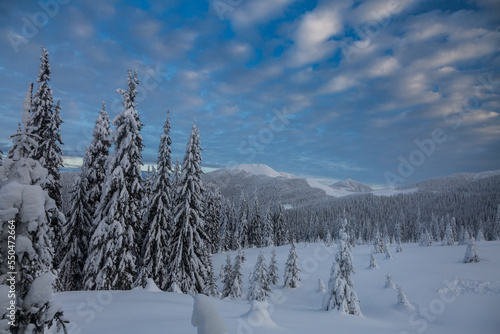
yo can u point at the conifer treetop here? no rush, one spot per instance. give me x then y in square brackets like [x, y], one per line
[44, 72]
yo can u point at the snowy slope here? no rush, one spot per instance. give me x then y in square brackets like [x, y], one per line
[328, 190]
[288, 189]
[259, 169]
[448, 295]
[352, 186]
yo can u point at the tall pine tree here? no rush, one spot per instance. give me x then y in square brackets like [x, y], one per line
[113, 250]
[159, 218]
[213, 208]
[76, 238]
[188, 259]
[26, 206]
[45, 123]
[95, 159]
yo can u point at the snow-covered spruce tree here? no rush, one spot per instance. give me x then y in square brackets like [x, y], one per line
[480, 233]
[213, 216]
[159, 218]
[259, 287]
[389, 283]
[242, 225]
[321, 285]
[241, 254]
[388, 254]
[111, 264]
[273, 271]
[226, 268]
[471, 254]
[134, 174]
[292, 271]
[25, 205]
[434, 229]
[176, 175]
[76, 238]
[211, 288]
[147, 185]
[461, 236]
[373, 261]
[233, 285]
[340, 294]
[255, 224]
[399, 247]
[402, 300]
[425, 239]
[454, 230]
[94, 162]
[448, 236]
[398, 230]
[226, 230]
[378, 245]
[402, 227]
[45, 122]
[279, 226]
[226, 278]
[188, 259]
[267, 230]
[329, 240]
[232, 240]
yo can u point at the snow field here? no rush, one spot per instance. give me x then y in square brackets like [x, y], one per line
[448, 297]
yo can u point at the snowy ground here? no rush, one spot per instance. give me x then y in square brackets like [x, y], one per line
[448, 297]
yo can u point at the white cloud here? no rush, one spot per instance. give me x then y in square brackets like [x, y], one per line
[379, 11]
[457, 54]
[312, 37]
[252, 12]
[384, 66]
[339, 84]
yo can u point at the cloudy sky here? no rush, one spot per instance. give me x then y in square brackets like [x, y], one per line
[378, 91]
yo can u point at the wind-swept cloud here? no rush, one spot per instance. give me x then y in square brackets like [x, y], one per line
[313, 35]
[417, 66]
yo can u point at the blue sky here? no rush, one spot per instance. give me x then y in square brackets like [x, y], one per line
[381, 91]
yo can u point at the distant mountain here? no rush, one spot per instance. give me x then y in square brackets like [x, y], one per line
[352, 185]
[272, 186]
[258, 169]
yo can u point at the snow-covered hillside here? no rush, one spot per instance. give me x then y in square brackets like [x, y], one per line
[446, 296]
[352, 186]
[288, 188]
[259, 169]
[455, 181]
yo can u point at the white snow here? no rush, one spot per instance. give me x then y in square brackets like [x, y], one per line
[40, 291]
[260, 169]
[205, 316]
[329, 191]
[459, 298]
[151, 286]
[258, 315]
